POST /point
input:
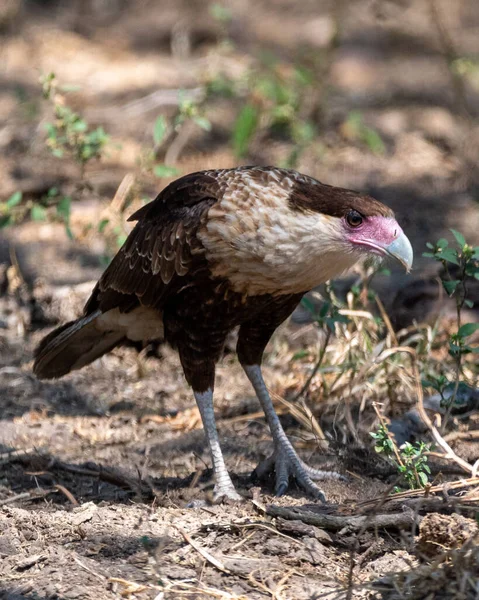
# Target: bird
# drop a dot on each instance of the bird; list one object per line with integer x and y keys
{"x": 218, "y": 250}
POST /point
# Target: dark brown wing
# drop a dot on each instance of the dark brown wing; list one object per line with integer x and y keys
{"x": 162, "y": 251}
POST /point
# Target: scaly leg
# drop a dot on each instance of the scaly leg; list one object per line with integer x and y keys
{"x": 284, "y": 460}
{"x": 224, "y": 487}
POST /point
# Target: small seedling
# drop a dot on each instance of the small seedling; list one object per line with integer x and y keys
{"x": 410, "y": 460}
{"x": 52, "y": 206}
{"x": 355, "y": 129}
{"x": 460, "y": 264}
{"x": 274, "y": 99}
{"x": 70, "y": 134}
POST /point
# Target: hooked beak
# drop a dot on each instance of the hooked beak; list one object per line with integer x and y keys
{"x": 401, "y": 250}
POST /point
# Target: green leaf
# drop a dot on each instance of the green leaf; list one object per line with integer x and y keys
{"x": 38, "y": 213}
{"x": 300, "y": 354}
{"x": 449, "y": 255}
{"x": 244, "y": 129}
{"x": 442, "y": 243}
{"x": 69, "y": 232}
{"x": 165, "y": 171}
{"x": 459, "y": 237}
{"x": 324, "y": 310}
{"x": 159, "y": 130}
{"x": 307, "y": 303}
{"x": 14, "y": 199}
{"x": 422, "y": 478}
{"x": 5, "y": 220}
{"x": 102, "y": 224}
{"x": 221, "y": 13}
{"x": 451, "y": 286}
{"x": 203, "y": 123}
{"x": 469, "y": 303}
{"x": 63, "y": 208}
{"x": 69, "y": 87}
{"x": 468, "y": 329}
{"x": 374, "y": 141}
{"x": 121, "y": 239}
{"x": 79, "y": 126}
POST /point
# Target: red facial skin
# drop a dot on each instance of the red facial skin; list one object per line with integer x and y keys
{"x": 379, "y": 235}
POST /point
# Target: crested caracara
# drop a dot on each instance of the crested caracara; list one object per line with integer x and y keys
{"x": 217, "y": 250}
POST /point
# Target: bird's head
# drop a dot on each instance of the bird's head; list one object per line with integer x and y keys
{"x": 378, "y": 235}
{"x": 357, "y": 224}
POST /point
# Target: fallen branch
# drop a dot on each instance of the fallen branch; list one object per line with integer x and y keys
{"x": 401, "y": 520}
{"x": 32, "y": 495}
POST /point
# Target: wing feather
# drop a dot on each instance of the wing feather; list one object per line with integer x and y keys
{"x": 162, "y": 250}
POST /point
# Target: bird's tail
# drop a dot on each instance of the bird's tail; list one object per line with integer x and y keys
{"x": 74, "y": 345}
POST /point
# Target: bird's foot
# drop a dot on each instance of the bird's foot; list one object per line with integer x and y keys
{"x": 320, "y": 475}
{"x": 221, "y": 493}
{"x": 226, "y": 493}
{"x": 286, "y": 464}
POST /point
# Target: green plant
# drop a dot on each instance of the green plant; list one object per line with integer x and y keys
{"x": 327, "y": 318}
{"x": 70, "y": 134}
{"x": 275, "y": 101}
{"x": 410, "y": 460}
{"x": 189, "y": 110}
{"x": 52, "y": 206}
{"x": 190, "y": 114}
{"x": 355, "y": 129}
{"x": 460, "y": 264}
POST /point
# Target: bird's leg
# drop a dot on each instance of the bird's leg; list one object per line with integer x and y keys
{"x": 224, "y": 487}
{"x": 199, "y": 369}
{"x": 284, "y": 460}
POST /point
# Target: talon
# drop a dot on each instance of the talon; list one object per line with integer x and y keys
{"x": 226, "y": 496}
{"x": 287, "y": 465}
{"x": 320, "y": 496}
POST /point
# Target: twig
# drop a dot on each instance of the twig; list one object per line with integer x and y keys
{"x": 348, "y": 523}
{"x": 83, "y": 566}
{"x": 255, "y": 524}
{"x": 316, "y": 367}
{"x": 206, "y": 555}
{"x": 131, "y": 586}
{"x": 386, "y": 320}
{"x": 177, "y": 145}
{"x": 33, "y": 495}
{"x": 462, "y": 435}
{"x": 103, "y": 474}
{"x": 163, "y": 98}
{"x": 7, "y": 457}
{"x": 306, "y": 417}
{"x": 122, "y": 194}
{"x": 422, "y": 492}
{"x": 67, "y": 493}
{"x": 449, "y": 452}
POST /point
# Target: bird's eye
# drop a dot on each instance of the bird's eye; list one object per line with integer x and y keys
{"x": 354, "y": 219}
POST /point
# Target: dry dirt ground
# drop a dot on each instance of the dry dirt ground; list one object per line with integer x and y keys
{"x": 97, "y": 470}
